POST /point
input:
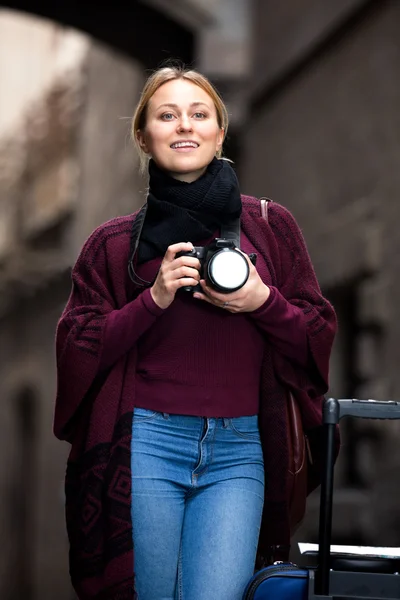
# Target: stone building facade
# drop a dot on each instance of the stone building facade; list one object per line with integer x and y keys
{"x": 323, "y": 138}
{"x": 66, "y": 165}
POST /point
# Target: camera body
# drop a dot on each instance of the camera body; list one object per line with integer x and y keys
{"x": 222, "y": 265}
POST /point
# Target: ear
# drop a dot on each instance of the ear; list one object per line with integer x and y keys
{"x": 220, "y": 139}
{"x": 142, "y": 141}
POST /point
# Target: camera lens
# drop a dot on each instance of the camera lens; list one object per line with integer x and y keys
{"x": 228, "y": 270}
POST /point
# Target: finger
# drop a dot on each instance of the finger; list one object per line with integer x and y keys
{"x": 218, "y": 304}
{"x": 189, "y": 281}
{"x": 189, "y": 261}
{"x": 251, "y": 265}
{"x": 217, "y": 296}
{"x": 185, "y": 272}
{"x": 175, "y": 248}
{"x": 199, "y": 296}
{"x": 211, "y": 293}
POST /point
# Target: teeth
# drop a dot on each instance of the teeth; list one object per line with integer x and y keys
{"x": 184, "y": 145}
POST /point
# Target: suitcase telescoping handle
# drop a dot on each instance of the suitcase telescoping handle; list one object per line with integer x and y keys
{"x": 333, "y": 411}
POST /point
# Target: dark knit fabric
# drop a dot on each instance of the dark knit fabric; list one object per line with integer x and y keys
{"x": 181, "y": 212}
{"x": 94, "y": 406}
{"x": 197, "y": 359}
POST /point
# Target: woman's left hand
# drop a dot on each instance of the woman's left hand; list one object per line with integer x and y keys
{"x": 247, "y": 299}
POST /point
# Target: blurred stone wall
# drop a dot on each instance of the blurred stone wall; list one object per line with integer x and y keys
{"x": 66, "y": 165}
{"x": 323, "y": 138}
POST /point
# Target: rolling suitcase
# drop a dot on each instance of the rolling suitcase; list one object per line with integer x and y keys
{"x": 280, "y": 581}
{"x": 343, "y": 577}
{"x": 335, "y": 578}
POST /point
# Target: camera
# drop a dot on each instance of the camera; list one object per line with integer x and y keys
{"x": 223, "y": 267}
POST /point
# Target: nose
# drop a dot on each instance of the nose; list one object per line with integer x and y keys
{"x": 184, "y": 123}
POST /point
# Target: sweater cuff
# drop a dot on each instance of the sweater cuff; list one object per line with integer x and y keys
{"x": 149, "y": 303}
{"x": 263, "y": 309}
{"x": 273, "y": 308}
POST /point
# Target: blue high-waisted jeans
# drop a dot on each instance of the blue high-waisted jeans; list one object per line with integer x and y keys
{"x": 197, "y": 499}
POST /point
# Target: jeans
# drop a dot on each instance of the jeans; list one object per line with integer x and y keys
{"x": 197, "y": 499}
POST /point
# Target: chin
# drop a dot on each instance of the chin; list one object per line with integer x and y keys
{"x": 189, "y": 164}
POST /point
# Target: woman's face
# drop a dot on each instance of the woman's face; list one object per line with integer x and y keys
{"x": 181, "y": 134}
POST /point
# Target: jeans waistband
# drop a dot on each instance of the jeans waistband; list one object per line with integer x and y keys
{"x": 194, "y": 421}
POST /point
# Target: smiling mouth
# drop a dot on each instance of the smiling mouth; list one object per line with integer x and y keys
{"x": 184, "y": 145}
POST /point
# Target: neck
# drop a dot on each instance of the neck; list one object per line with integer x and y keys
{"x": 188, "y": 177}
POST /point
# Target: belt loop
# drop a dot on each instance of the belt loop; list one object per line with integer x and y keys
{"x": 225, "y": 422}
{"x": 165, "y": 415}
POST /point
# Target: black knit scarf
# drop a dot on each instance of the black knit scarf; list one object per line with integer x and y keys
{"x": 187, "y": 212}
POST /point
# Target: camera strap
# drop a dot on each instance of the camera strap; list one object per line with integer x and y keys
{"x": 231, "y": 231}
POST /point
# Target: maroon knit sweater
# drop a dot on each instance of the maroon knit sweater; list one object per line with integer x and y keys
{"x": 196, "y": 359}
{"x": 94, "y": 404}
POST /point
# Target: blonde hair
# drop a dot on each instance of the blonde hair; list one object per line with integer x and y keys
{"x": 155, "y": 81}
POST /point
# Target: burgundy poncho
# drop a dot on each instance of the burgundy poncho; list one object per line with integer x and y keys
{"x": 94, "y": 408}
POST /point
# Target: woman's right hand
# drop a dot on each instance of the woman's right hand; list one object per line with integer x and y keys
{"x": 175, "y": 273}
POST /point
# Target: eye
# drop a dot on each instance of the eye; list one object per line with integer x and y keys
{"x": 167, "y": 116}
{"x": 200, "y": 115}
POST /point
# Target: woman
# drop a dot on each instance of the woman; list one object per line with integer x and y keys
{"x": 173, "y": 401}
